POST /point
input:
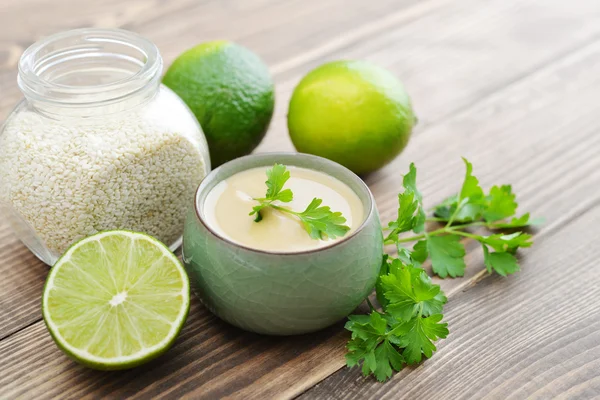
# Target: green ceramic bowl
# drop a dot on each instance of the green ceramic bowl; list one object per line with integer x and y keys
{"x": 282, "y": 293}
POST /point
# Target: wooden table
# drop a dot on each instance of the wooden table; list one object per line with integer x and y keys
{"x": 513, "y": 85}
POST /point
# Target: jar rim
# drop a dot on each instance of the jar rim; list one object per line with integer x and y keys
{"x": 87, "y": 44}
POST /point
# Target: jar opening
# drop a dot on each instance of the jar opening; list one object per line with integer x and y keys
{"x": 86, "y": 68}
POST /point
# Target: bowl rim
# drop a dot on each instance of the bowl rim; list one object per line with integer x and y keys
{"x": 267, "y": 155}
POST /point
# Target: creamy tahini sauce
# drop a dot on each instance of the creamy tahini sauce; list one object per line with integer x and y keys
{"x": 228, "y": 204}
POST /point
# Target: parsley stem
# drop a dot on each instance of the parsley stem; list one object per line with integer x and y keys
{"x": 465, "y": 234}
{"x": 284, "y": 209}
{"x": 417, "y": 237}
{"x": 435, "y": 219}
{"x": 446, "y": 229}
{"x": 467, "y": 225}
{"x": 460, "y": 205}
{"x": 371, "y": 305}
{"x": 404, "y": 240}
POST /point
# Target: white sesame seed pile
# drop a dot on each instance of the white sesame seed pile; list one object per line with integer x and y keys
{"x": 70, "y": 178}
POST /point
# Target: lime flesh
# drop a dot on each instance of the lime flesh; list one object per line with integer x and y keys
{"x": 116, "y": 299}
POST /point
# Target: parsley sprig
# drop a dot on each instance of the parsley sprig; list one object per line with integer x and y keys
{"x": 319, "y": 221}
{"x": 405, "y": 330}
{"x": 471, "y": 207}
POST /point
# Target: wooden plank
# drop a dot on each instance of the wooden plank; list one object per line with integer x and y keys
{"x": 532, "y": 335}
{"x": 416, "y": 52}
{"x": 212, "y": 359}
{"x": 272, "y": 28}
{"x": 451, "y": 58}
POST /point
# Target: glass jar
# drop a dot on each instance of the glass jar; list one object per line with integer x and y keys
{"x": 97, "y": 144}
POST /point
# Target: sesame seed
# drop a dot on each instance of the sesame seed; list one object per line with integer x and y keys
{"x": 69, "y": 178}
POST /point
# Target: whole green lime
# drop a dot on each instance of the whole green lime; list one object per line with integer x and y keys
{"x": 352, "y": 112}
{"x": 230, "y": 91}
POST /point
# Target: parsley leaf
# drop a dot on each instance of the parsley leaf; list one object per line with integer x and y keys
{"x": 510, "y": 243}
{"x": 447, "y": 255}
{"x": 468, "y": 205}
{"x": 371, "y": 345}
{"x": 519, "y": 222}
{"x": 407, "y": 206}
{"x": 501, "y": 262}
{"x": 277, "y": 176}
{"x": 276, "y": 179}
{"x": 471, "y": 205}
{"x": 384, "y": 270}
{"x": 470, "y": 188}
{"x": 417, "y": 337}
{"x": 501, "y": 203}
{"x": 411, "y": 215}
{"x": 388, "y": 359}
{"x": 470, "y": 199}
{"x": 319, "y": 221}
{"x": 410, "y": 186}
{"x": 256, "y": 211}
{"x": 406, "y": 331}
{"x": 419, "y": 253}
{"x": 445, "y": 209}
{"x": 409, "y": 291}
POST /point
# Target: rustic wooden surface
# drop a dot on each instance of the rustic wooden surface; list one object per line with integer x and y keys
{"x": 514, "y": 85}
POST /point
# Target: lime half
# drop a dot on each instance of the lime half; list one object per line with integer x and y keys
{"x": 116, "y": 299}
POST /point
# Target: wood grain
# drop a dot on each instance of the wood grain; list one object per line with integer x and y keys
{"x": 210, "y": 357}
{"x": 199, "y": 383}
{"x": 272, "y": 28}
{"x": 573, "y": 31}
{"x": 533, "y": 335}
{"x": 512, "y": 85}
{"x": 475, "y": 52}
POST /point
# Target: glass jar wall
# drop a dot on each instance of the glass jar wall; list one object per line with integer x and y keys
{"x": 97, "y": 144}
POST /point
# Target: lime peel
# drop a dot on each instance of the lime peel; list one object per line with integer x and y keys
{"x": 116, "y": 305}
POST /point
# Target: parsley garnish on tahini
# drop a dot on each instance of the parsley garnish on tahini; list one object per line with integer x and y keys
{"x": 319, "y": 221}
{"x": 410, "y": 321}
